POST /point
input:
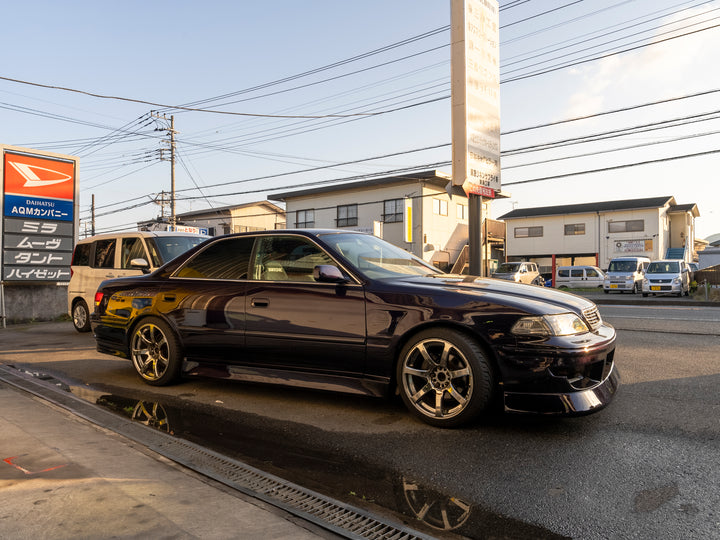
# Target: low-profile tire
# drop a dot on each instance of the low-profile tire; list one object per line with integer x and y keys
{"x": 81, "y": 316}
{"x": 155, "y": 352}
{"x": 444, "y": 377}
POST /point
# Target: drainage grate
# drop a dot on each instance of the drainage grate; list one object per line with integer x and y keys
{"x": 336, "y": 516}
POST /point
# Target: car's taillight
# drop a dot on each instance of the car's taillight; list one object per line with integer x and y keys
{"x": 98, "y": 297}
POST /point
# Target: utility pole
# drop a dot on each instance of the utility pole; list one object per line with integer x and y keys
{"x": 173, "y": 216}
{"x": 171, "y": 130}
{"x": 92, "y": 211}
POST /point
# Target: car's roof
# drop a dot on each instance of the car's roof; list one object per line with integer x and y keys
{"x": 144, "y": 234}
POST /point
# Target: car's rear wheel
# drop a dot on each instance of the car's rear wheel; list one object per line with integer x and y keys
{"x": 81, "y": 316}
{"x": 155, "y": 352}
{"x": 444, "y": 377}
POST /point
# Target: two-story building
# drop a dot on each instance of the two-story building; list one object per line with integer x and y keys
{"x": 435, "y": 226}
{"x": 595, "y": 233}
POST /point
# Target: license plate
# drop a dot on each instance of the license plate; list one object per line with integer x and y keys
{"x": 655, "y": 288}
{"x": 613, "y": 286}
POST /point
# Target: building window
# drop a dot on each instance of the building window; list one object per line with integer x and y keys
{"x": 393, "y": 211}
{"x": 462, "y": 211}
{"x": 574, "y": 228}
{"x": 636, "y": 225}
{"x": 527, "y": 232}
{"x": 440, "y": 207}
{"x": 305, "y": 219}
{"x": 347, "y": 215}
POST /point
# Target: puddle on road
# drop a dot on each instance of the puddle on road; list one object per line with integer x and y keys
{"x": 438, "y": 514}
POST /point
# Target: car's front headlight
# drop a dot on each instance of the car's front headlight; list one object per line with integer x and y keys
{"x": 564, "y": 324}
{"x": 677, "y": 280}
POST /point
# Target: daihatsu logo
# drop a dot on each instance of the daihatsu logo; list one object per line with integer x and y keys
{"x": 36, "y": 176}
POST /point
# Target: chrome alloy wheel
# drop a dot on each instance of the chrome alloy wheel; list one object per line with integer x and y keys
{"x": 150, "y": 352}
{"x": 437, "y": 378}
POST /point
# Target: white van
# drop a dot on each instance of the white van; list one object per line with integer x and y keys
{"x": 579, "y": 277}
{"x": 108, "y": 256}
{"x": 625, "y": 274}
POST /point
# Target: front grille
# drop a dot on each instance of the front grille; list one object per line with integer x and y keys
{"x": 592, "y": 317}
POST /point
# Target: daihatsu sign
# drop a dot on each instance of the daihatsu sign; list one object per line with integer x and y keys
{"x": 39, "y": 215}
{"x": 475, "y": 65}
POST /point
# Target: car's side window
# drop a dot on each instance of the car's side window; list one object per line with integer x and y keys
{"x": 224, "y": 259}
{"x": 575, "y": 272}
{"x": 287, "y": 258}
{"x": 104, "y": 254}
{"x": 131, "y": 248}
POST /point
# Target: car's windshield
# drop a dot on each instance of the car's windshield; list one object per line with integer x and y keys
{"x": 670, "y": 267}
{"x": 165, "y": 248}
{"x": 622, "y": 266}
{"x": 376, "y": 258}
{"x": 508, "y": 268}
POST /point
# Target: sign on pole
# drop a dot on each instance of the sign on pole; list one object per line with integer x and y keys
{"x": 39, "y": 215}
{"x": 476, "y": 96}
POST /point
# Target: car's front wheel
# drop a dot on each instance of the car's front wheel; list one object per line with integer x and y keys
{"x": 155, "y": 352}
{"x": 445, "y": 377}
{"x": 81, "y": 316}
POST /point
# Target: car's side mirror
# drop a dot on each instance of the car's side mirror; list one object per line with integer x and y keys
{"x": 327, "y": 273}
{"x": 140, "y": 264}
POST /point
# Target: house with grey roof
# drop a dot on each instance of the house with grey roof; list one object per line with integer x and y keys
{"x": 595, "y": 233}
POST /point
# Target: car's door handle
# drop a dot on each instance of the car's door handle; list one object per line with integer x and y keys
{"x": 260, "y": 302}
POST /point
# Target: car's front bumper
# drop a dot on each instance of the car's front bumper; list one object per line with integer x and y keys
{"x": 617, "y": 285}
{"x": 560, "y": 375}
{"x": 662, "y": 288}
{"x": 565, "y": 403}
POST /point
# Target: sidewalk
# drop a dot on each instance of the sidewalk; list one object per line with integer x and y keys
{"x": 63, "y": 477}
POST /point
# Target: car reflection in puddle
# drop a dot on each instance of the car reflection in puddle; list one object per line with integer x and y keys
{"x": 441, "y": 515}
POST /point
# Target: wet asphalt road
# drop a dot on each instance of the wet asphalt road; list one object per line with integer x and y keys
{"x": 646, "y": 467}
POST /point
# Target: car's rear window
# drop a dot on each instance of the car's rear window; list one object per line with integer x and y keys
{"x": 81, "y": 255}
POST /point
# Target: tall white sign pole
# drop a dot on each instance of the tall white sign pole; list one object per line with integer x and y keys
{"x": 475, "y": 63}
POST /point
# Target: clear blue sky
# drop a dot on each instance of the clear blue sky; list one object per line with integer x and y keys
{"x": 174, "y": 53}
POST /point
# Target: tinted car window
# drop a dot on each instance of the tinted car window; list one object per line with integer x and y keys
{"x": 104, "y": 254}
{"x": 563, "y": 273}
{"x": 81, "y": 255}
{"x": 576, "y": 272}
{"x": 132, "y": 248}
{"x": 287, "y": 258}
{"x": 224, "y": 259}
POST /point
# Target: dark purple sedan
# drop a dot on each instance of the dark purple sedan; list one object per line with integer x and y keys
{"x": 346, "y": 311}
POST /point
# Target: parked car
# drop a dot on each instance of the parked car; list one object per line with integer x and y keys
{"x": 105, "y": 256}
{"x": 519, "y": 272}
{"x": 667, "y": 277}
{"x": 579, "y": 277}
{"x": 547, "y": 279}
{"x": 347, "y": 311}
{"x": 625, "y": 274}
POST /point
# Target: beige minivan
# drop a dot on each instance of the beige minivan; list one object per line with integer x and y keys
{"x": 108, "y": 256}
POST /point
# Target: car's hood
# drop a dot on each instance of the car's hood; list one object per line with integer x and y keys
{"x": 505, "y": 275}
{"x": 530, "y": 297}
{"x": 671, "y": 275}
